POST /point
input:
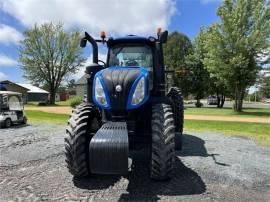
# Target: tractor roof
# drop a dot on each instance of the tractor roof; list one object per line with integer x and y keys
{"x": 130, "y": 39}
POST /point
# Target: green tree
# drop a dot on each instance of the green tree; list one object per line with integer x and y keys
{"x": 48, "y": 54}
{"x": 218, "y": 87}
{"x": 235, "y": 43}
{"x": 265, "y": 86}
{"x": 176, "y": 49}
{"x": 71, "y": 84}
{"x": 197, "y": 73}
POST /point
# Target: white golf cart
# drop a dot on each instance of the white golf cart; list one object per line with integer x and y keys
{"x": 11, "y": 109}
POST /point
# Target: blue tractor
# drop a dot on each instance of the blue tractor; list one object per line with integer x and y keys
{"x": 127, "y": 108}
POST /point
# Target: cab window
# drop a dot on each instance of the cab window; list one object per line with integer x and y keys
{"x": 131, "y": 56}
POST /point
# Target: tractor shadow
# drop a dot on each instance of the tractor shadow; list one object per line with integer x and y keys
{"x": 141, "y": 188}
{"x": 195, "y": 146}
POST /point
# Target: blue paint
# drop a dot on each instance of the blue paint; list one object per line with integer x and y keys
{"x": 124, "y": 67}
{"x": 143, "y": 73}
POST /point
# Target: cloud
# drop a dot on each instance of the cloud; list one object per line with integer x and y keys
{"x": 210, "y": 1}
{"x": 7, "y": 61}
{"x": 9, "y": 35}
{"x": 264, "y": 57}
{"x": 3, "y": 76}
{"x": 114, "y": 17}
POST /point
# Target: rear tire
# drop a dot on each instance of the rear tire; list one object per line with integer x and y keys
{"x": 163, "y": 134}
{"x": 85, "y": 120}
{"x": 176, "y": 99}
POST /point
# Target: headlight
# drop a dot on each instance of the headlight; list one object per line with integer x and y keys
{"x": 100, "y": 96}
{"x": 139, "y": 92}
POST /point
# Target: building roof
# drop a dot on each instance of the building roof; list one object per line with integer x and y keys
{"x": 7, "y": 82}
{"x": 82, "y": 80}
{"x": 32, "y": 89}
{"x": 9, "y": 93}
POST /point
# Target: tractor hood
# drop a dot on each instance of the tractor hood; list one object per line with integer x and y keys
{"x": 121, "y": 88}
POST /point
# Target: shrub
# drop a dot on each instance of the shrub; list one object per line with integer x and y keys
{"x": 198, "y": 104}
{"x": 42, "y": 103}
{"x": 75, "y": 101}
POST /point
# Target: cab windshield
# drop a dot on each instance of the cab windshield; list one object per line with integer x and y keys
{"x": 131, "y": 56}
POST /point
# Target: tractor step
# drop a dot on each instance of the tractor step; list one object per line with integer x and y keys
{"x": 109, "y": 149}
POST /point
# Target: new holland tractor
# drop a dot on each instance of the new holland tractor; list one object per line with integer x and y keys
{"x": 127, "y": 107}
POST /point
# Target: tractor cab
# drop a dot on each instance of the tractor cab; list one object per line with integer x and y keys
{"x": 11, "y": 109}
{"x": 132, "y": 52}
{"x": 134, "y": 70}
{"x": 127, "y": 108}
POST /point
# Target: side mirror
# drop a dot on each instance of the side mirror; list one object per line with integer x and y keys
{"x": 163, "y": 37}
{"x": 83, "y": 42}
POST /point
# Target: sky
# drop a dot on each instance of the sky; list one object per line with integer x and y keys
{"x": 115, "y": 17}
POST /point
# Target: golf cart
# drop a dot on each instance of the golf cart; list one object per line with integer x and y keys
{"x": 11, "y": 109}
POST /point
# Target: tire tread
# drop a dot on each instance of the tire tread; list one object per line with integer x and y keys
{"x": 163, "y": 152}
{"x": 77, "y": 139}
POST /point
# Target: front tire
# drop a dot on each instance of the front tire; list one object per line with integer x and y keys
{"x": 85, "y": 120}
{"x": 163, "y": 148}
{"x": 8, "y": 123}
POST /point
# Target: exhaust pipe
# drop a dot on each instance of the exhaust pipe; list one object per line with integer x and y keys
{"x": 93, "y": 68}
{"x": 91, "y": 40}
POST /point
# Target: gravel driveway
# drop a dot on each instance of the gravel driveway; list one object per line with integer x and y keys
{"x": 212, "y": 168}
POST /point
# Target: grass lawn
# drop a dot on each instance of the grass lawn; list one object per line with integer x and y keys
{"x": 259, "y": 132}
{"x": 44, "y": 117}
{"x": 63, "y": 103}
{"x": 60, "y": 103}
{"x": 31, "y": 104}
{"x": 249, "y": 112}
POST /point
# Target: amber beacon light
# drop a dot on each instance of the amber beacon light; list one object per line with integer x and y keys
{"x": 102, "y": 35}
